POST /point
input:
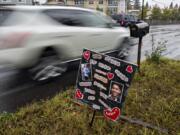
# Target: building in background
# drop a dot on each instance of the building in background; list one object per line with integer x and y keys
{"x": 122, "y": 6}
{"x": 16, "y": 2}
{"x": 106, "y": 6}
{"x": 134, "y": 12}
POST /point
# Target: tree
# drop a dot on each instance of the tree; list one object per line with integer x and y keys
{"x": 178, "y": 17}
{"x": 137, "y": 4}
{"x": 147, "y": 5}
{"x": 176, "y": 6}
{"x": 171, "y": 5}
{"x": 156, "y": 13}
{"x": 174, "y": 14}
{"x": 166, "y": 13}
{"x": 145, "y": 10}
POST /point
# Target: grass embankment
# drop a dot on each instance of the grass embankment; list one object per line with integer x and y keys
{"x": 154, "y": 97}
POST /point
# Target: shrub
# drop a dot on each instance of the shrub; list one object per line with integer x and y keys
{"x": 157, "y": 50}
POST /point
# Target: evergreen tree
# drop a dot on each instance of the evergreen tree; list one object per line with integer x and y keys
{"x": 178, "y": 17}
{"x": 156, "y": 13}
{"x": 171, "y": 5}
{"x": 147, "y": 5}
{"x": 174, "y": 14}
{"x": 166, "y": 14}
{"x": 145, "y": 10}
{"x": 176, "y": 6}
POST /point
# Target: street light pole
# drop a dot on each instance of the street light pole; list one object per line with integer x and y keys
{"x": 142, "y": 13}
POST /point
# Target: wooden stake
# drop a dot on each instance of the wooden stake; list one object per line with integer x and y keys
{"x": 92, "y": 120}
{"x": 139, "y": 53}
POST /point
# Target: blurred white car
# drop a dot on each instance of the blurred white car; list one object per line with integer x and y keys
{"x": 45, "y": 39}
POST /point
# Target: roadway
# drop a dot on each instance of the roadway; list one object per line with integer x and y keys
{"x": 17, "y": 89}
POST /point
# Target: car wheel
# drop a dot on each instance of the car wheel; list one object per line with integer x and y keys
{"x": 121, "y": 55}
{"x": 123, "y": 52}
{"x": 49, "y": 66}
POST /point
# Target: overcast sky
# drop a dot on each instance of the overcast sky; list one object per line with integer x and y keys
{"x": 162, "y": 3}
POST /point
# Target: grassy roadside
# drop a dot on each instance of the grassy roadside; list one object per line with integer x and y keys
{"x": 154, "y": 97}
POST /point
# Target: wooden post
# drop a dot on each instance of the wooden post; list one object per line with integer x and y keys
{"x": 92, "y": 120}
{"x": 139, "y": 53}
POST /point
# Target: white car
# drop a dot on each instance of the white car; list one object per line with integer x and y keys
{"x": 45, "y": 39}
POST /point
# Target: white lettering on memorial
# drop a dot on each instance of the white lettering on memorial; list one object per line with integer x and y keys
{"x": 104, "y": 66}
{"x": 121, "y": 76}
{"x": 100, "y": 78}
{"x": 99, "y": 85}
{"x": 89, "y": 91}
{"x": 112, "y": 61}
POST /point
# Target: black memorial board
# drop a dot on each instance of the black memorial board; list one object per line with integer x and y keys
{"x": 103, "y": 82}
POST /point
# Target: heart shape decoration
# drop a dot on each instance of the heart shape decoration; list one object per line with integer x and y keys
{"x": 112, "y": 114}
{"x": 110, "y": 76}
{"x": 79, "y": 94}
{"x": 129, "y": 69}
{"x": 86, "y": 55}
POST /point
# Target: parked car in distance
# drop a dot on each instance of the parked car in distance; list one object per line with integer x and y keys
{"x": 45, "y": 39}
{"x": 125, "y": 20}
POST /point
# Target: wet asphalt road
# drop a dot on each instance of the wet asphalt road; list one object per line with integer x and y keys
{"x": 17, "y": 89}
{"x": 169, "y": 33}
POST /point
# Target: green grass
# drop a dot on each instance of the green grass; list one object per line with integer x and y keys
{"x": 154, "y": 97}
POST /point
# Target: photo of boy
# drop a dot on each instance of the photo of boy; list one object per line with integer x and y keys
{"x": 116, "y": 90}
{"x": 86, "y": 72}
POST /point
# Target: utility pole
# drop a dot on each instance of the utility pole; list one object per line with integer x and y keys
{"x": 142, "y": 13}
{"x": 126, "y": 9}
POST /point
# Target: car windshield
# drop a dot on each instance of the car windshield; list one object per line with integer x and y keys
{"x": 78, "y": 17}
{"x": 104, "y": 17}
{"x": 26, "y": 17}
{"x": 97, "y": 19}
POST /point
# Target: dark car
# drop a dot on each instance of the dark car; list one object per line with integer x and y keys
{"x": 125, "y": 20}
